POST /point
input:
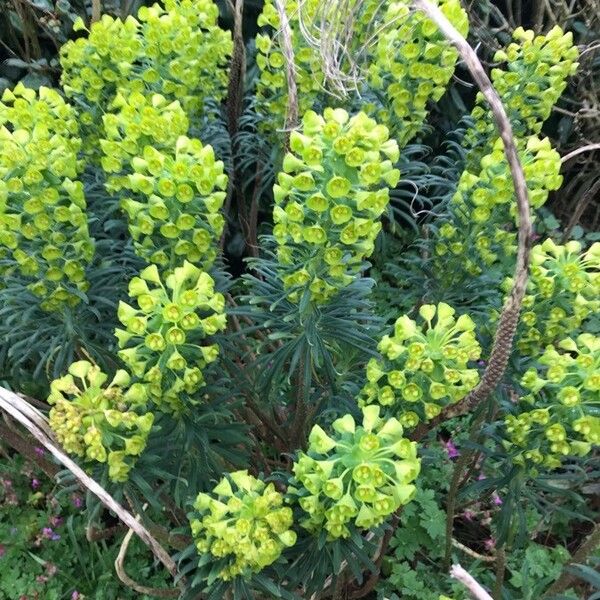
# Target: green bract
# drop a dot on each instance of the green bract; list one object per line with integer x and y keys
{"x": 173, "y": 183}
{"x": 164, "y": 343}
{"x": 44, "y": 238}
{"x": 242, "y": 525}
{"x": 537, "y": 71}
{"x": 331, "y": 194}
{"x": 412, "y": 64}
{"x": 559, "y": 417}
{"x": 424, "y": 367}
{"x": 562, "y": 293}
{"x": 100, "y": 422}
{"x": 484, "y": 204}
{"x": 405, "y": 59}
{"x": 178, "y": 51}
{"x": 355, "y": 478}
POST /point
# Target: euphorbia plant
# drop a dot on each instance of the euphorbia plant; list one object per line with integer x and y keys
{"x": 280, "y": 408}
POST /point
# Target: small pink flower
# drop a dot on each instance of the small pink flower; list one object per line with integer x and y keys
{"x": 39, "y": 451}
{"x": 469, "y": 515}
{"x": 496, "y": 499}
{"x": 35, "y": 484}
{"x": 451, "y": 449}
{"x": 76, "y": 501}
{"x": 75, "y": 595}
{"x": 490, "y": 544}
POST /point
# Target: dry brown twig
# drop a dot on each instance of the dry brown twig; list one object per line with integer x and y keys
{"x": 128, "y": 581}
{"x": 509, "y": 317}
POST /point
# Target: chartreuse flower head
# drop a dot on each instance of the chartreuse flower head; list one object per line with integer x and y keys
{"x": 138, "y": 121}
{"x": 100, "y": 422}
{"x": 243, "y": 525}
{"x": 329, "y": 199}
{"x": 164, "y": 340}
{"x": 44, "y": 238}
{"x": 178, "y": 51}
{"x": 484, "y": 205}
{"x": 174, "y": 214}
{"x": 563, "y": 292}
{"x": 355, "y": 478}
{"x": 408, "y": 64}
{"x": 537, "y": 69}
{"x": 559, "y": 417}
{"x": 412, "y": 64}
{"x": 424, "y": 366}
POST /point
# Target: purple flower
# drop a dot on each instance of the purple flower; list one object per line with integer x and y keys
{"x": 451, "y": 449}
{"x": 469, "y": 515}
{"x": 496, "y": 499}
{"x": 75, "y": 595}
{"x": 481, "y": 363}
{"x": 35, "y": 484}
{"x": 39, "y": 451}
{"x": 76, "y": 501}
{"x": 489, "y": 544}
{"x": 47, "y": 532}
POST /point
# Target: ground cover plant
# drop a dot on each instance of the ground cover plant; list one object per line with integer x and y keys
{"x": 267, "y": 309}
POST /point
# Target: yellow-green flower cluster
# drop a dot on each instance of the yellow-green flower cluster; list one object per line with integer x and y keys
{"x": 537, "y": 71}
{"x": 405, "y": 59}
{"x": 357, "y": 477}
{"x": 412, "y": 64}
{"x": 329, "y": 200}
{"x": 100, "y": 422}
{"x": 559, "y": 416}
{"x": 178, "y": 51}
{"x": 271, "y": 88}
{"x": 243, "y": 525}
{"x": 484, "y": 204}
{"x": 136, "y": 121}
{"x": 44, "y": 235}
{"x": 424, "y": 366}
{"x": 164, "y": 340}
{"x": 563, "y": 291}
{"x": 175, "y": 185}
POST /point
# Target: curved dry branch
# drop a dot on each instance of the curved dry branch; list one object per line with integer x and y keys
{"x": 475, "y": 588}
{"x": 509, "y": 317}
{"x": 130, "y": 583}
{"x": 19, "y": 410}
{"x": 578, "y": 151}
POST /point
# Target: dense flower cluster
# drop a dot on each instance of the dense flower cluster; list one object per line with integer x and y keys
{"x": 355, "y": 478}
{"x": 329, "y": 200}
{"x": 560, "y": 416}
{"x": 174, "y": 184}
{"x": 178, "y": 51}
{"x": 44, "y": 236}
{"x": 563, "y": 291}
{"x": 406, "y": 63}
{"x": 242, "y": 525}
{"x": 412, "y": 64}
{"x": 484, "y": 204}
{"x": 100, "y": 422}
{"x": 537, "y": 71}
{"x": 163, "y": 343}
{"x": 424, "y": 367}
